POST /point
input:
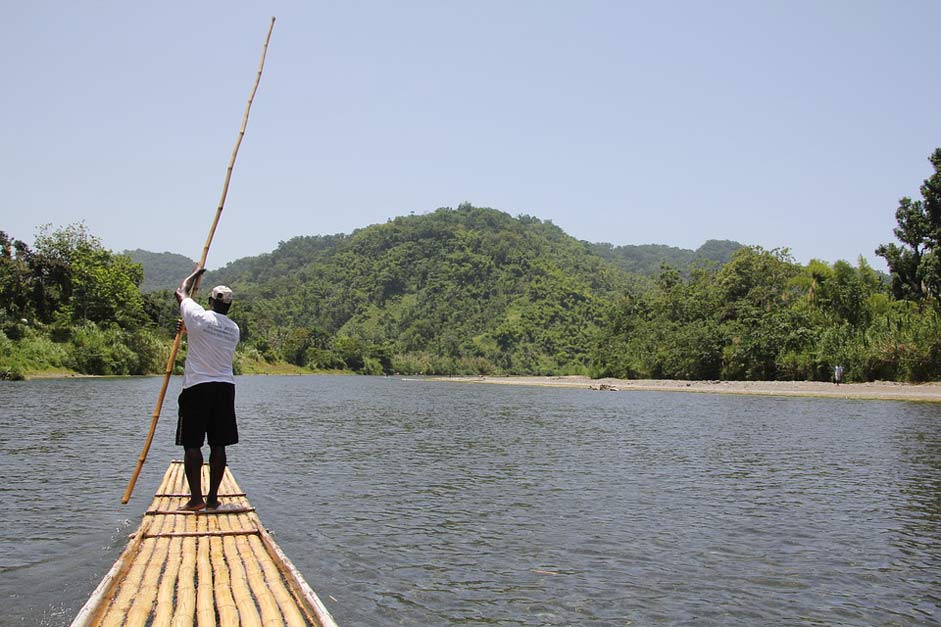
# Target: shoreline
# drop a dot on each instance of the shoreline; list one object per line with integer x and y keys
{"x": 877, "y": 390}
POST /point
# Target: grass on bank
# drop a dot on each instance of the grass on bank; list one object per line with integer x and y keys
{"x": 34, "y": 355}
{"x": 254, "y": 364}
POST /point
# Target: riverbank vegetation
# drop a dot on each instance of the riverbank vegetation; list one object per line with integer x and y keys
{"x": 475, "y": 291}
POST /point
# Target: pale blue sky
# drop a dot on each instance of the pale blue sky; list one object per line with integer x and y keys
{"x": 796, "y": 124}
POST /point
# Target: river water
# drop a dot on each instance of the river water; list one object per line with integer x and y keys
{"x": 410, "y": 502}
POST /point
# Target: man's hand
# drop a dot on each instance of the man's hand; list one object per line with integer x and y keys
{"x": 187, "y": 285}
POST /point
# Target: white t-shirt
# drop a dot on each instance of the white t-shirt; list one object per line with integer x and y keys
{"x": 212, "y": 338}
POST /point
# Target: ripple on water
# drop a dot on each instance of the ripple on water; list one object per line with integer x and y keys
{"x": 433, "y": 503}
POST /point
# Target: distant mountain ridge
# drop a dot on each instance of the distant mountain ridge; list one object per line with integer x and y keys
{"x": 647, "y": 259}
{"x": 474, "y": 290}
{"x": 161, "y": 270}
{"x": 164, "y": 270}
{"x": 470, "y": 289}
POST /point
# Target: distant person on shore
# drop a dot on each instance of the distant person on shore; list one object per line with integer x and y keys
{"x": 207, "y": 402}
{"x": 838, "y": 375}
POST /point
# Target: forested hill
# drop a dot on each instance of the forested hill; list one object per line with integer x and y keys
{"x": 648, "y": 259}
{"x": 473, "y": 286}
{"x": 468, "y": 289}
{"x": 165, "y": 270}
{"x": 162, "y": 271}
{"x": 476, "y": 291}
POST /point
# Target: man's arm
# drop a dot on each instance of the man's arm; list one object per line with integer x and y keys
{"x": 187, "y": 285}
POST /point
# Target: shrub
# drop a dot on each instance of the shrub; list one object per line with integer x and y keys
{"x": 30, "y": 353}
{"x": 103, "y": 352}
{"x": 9, "y": 370}
{"x": 371, "y": 366}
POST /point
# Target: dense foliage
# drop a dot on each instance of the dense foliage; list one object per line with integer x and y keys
{"x": 71, "y": 304}
{"x": 474, "y": 290}
{"x": 762, "y": 316}
{"x": 469, "y": 290}
{"x": 647, "y": 259}
{"x": 916, "y": 265}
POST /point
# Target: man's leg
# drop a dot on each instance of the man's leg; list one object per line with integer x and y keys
{"x": 216, "y": 471}
{"x": 193, "y": 467}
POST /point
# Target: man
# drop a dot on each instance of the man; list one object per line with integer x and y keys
{"x": 207, "y": 402}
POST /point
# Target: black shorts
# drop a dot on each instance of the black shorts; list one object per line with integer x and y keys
{"x": 207, "y": 409}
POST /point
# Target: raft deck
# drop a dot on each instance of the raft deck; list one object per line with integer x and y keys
{"x": 219, "y": 568}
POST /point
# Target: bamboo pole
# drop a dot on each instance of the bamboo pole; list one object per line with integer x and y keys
{"x": 222, "y": 584}
{"x": 98, "y": 602}
{"x": 267, "y": 603}
{"x": 274, "y": 579}
{"x": 185, "y": 609}
{"x": 307, "y": 599}
{"x": 202, "y": 264}
{"x": 143, "y": 603}
{"x": 122, "y": 602}
{"x": 205, "y": 605}
{"x": 241, "y": 590}
{"x": 163, "y": 612}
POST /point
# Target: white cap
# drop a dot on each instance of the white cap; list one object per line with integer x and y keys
{"x": 222, "y": 294}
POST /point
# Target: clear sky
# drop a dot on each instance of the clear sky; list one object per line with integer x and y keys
{"x": 792, "y": 124}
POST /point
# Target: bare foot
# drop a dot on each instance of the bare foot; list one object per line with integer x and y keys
{"x": 213, "y": 505}
{"x": 192, "y": 506}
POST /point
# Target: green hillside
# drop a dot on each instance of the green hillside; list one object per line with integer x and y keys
{"x": 475, "y": 291}
{"x": 467, "y": 289}
{"x": 162, "y": 271}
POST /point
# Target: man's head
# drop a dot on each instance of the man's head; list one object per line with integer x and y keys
{"x": 220, "y": 299}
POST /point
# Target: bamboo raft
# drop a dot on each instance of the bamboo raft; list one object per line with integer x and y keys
{"x": 218, "y": 568}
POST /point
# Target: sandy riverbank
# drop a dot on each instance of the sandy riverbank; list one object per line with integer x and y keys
{"x": 879, "y": 390}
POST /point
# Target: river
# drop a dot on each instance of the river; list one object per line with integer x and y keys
{"x": 411, "y": 502}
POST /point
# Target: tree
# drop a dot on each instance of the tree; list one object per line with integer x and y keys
{"x": 916, "y": 266}
{"x": 840, "y": 293}
{"x": 80, "y": 280}
{"x": 15, "y": 279}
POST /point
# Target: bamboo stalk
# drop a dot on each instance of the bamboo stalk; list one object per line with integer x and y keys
{"x": 267, "y": 603}
{"x": 306, "y": 597}
{"x": 241, "y": 592}
{"x": 205, "y": 608}
{"x": 202, "y": 534}
{"x": 97, "y": 604}
{"x": 230, "y": 485}
{"x": 235, "y": 150}
{"x": 165, "y": 510}
{"x": 168, "y": 583}
{"x": 202, "y": 264}
{"x": 178, "y": 495}
{"x": 275, "y": 582}
{"x": 146, "y": 594}
{"x": 185, "y": 609}
{"x": 188, "y": 570}
{"x": 118, "y": 610}
{"x": 222, "y": 584}
{"x": 190, "y": 526}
